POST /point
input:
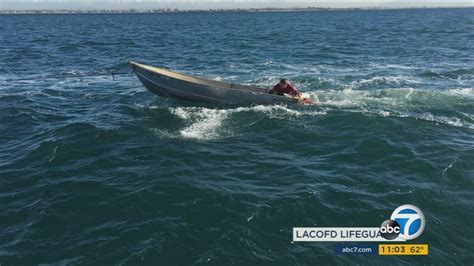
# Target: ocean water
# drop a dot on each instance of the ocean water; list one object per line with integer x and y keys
{"x": 101, "y": 171}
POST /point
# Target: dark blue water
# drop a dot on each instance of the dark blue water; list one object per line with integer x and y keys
{"x": 97, "y": 171}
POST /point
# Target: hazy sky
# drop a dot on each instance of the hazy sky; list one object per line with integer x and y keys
{"x": 193, "y": 4}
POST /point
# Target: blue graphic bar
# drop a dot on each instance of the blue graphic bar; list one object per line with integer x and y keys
{"x": 357, "y": 249}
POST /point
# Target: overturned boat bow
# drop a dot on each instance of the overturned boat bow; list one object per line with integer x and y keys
{"x": 171, "y": 84}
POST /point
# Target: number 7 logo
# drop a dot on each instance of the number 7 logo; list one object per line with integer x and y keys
{"x": 411, "y": 221}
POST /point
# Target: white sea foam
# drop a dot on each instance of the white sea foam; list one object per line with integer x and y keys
{"x": 314, "y": 68}
{"x": 448, "y": 167}
{"x": 400, "y": 97}
{"x": 385, "y": 66}
{"x": 180, "y": 112}
{"x": 384, "y": 79}
{"x": 384, "y": 113}
{"x": 340, "y": 98}
{"x": 453, "y": 121}
{"x": 207, "y": 124}
{"x": 467, "y": 92}
{"x": 404, "y": 102}
{"x": 427, "y": 116}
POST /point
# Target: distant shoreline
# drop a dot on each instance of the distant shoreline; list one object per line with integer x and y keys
{"x": 217, "y": 10}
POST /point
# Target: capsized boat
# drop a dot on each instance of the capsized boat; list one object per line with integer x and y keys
{"x": 171, "y": 84}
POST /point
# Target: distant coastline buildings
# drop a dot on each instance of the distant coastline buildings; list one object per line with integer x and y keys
{"x": 176, "y": 10}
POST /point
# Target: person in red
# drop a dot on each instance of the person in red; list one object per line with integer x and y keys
{"x": 285, "y": 87}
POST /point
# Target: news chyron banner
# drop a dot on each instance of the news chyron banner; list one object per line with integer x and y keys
{"x": 406, "y": 223}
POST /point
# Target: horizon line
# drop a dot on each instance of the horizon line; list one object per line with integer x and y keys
{"x": 176, "y": 10}
{"x": 197, "y": 5}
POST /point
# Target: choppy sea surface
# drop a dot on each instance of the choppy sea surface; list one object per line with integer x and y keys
{"x": 101, "y": 171}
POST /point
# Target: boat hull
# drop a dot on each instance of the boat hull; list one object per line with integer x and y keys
{"x": 174, "y": 85}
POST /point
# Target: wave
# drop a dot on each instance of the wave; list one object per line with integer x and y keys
{"x": 395, "y": 96}
{"x": 310, "y": 82}
{"x": 378, "y": 81}
{"x": 464, "y": 92}
{"x": 390, "y": 66}
{"x": 203, "y": 123}
{"x": 219, "y": 78}
{"x": 440, "y": 119}
{"x": 451, "y": 107}
{"x": 453, "y": 74}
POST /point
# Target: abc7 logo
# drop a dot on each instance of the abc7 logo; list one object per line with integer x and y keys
{"x": 390, "y": 229}
{"x": 406, "y": 222}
